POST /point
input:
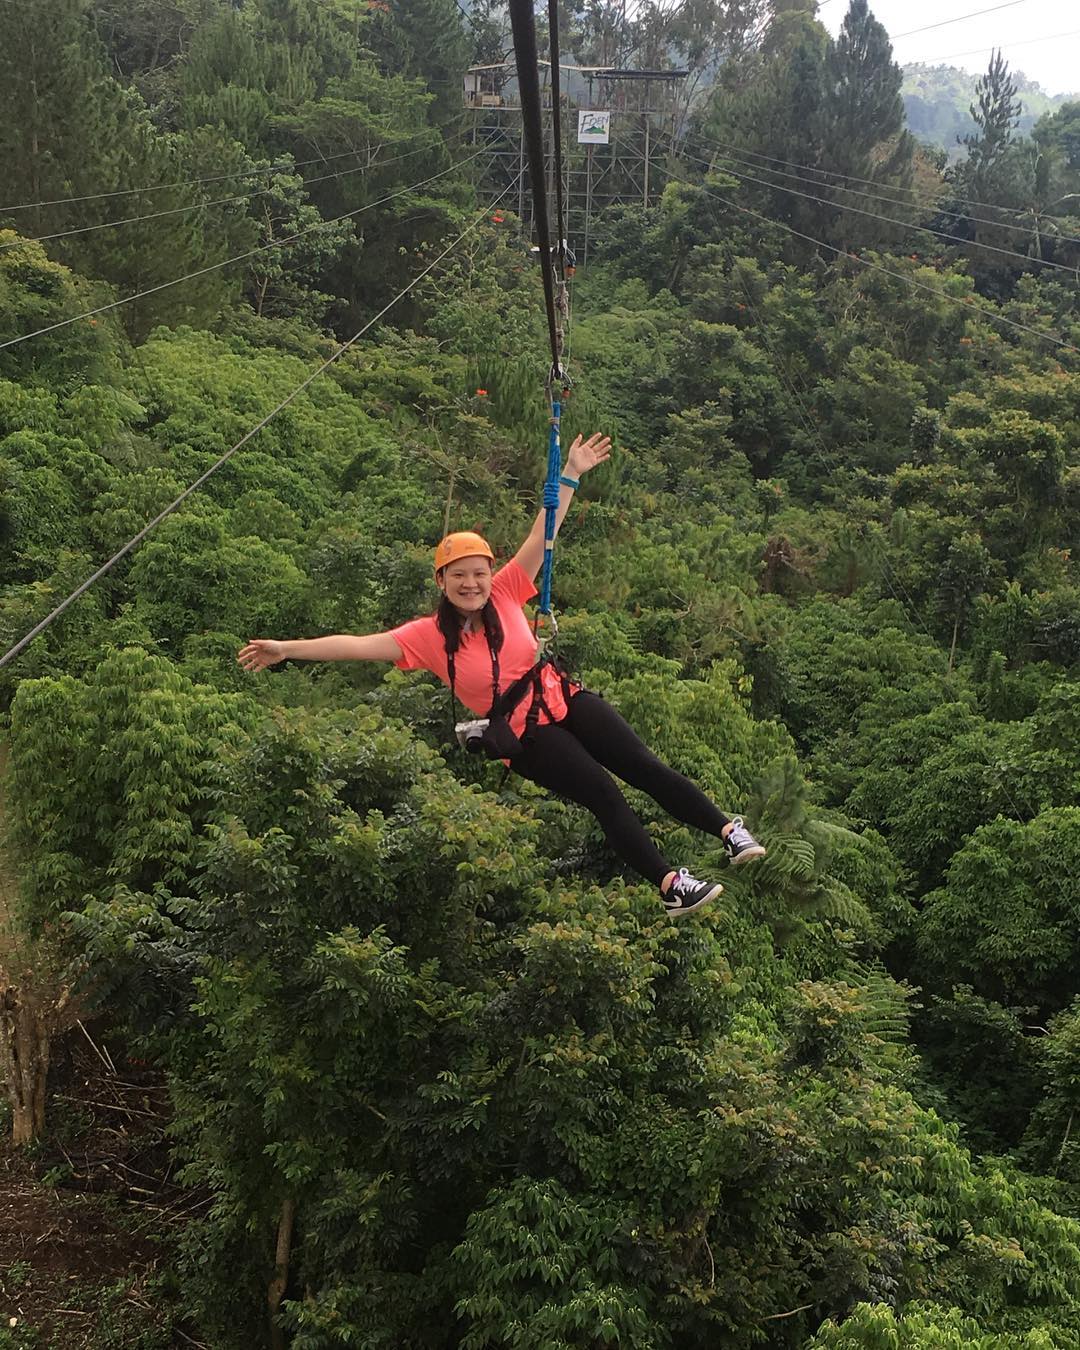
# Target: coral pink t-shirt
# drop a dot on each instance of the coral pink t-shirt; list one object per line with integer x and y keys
{"x": 423, "y": 648}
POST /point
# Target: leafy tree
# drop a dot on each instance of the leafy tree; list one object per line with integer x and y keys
{"x": 966, "y": 569}
{"x": 1018, "y": 949}
{"x": 921, "y": 1325}
{"x": 156, "y": 787}
{"x": 1049, "y": 1145}
{"x": 38, "y": 293}
{"x": 930, "y": 778}
{"x": 984, "y": 1060}
{"x": 282, "y": 280}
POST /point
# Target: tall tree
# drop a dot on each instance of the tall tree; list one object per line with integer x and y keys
{"x": 426, "y": 39}
{"x": 47, "y": 68}
{"x": 864, "y": 113}
{"x": 832, "y": 107}
{"x": 996, "y": 112}
{"x": 146, "y": 41}
{"x": 51, "y": 62}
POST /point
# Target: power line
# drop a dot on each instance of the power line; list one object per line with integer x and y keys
{"x": 877, "y": 267}
{"x": 23, "y": 642}
{"x": 204, "y": 206}
{"x": 194, "y": 182}
{"x": 960, "y": 18}
{"x": 978, "y": 51}
{"x": 924, "y": 229}
{"x": 882, "y": 188}
{"x": 240, "y": 257}
{"x": 917, "y": 203}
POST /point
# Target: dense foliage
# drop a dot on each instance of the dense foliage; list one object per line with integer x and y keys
{"x": 447, "y": 1077}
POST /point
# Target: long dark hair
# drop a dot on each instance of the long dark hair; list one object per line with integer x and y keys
{"x": 449, "y": 621}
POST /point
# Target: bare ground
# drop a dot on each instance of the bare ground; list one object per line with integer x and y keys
{"x": 88, "y": 1220}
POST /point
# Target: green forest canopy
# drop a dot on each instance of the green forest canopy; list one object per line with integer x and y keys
{"x": 445, "y": 1077}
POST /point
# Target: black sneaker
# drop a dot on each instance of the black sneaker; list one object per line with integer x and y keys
{"x": 740, "y": 845}
{"x": 686, "y": 893}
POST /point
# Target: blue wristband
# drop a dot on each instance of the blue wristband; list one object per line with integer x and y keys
{"x": 569, "y": 482}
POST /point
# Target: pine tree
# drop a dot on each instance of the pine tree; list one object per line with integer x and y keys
{"x": 46, "y": 72}
{"x": 426, "y": 38}
{"x": 864, "y": 113}
{"x": 996, "y": 112}
{"x": 833, "y": 107}
{"x": 68, "y": 129}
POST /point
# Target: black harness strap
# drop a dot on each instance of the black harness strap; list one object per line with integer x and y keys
{"x": 451, "y": 670}
{"x": 503, "y": 705}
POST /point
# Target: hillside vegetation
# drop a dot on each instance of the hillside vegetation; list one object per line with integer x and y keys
{"x": 937, "y": 105}
{"x": 382, "y": 1043}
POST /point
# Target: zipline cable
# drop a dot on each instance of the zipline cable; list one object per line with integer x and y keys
{"x": 561, "y": 222}
{"x": 877, "y": 267}
{"x": 23, "y": 642}
{"x": 240, "y": 257}
{"x": 730, "y": 151}
{"x": 204, "y": 206}
{"x": 562, "y": 216}
{"x": 524, "y": 30}
{"x": 892, "y": 220}
{"x": 216, "y": 178}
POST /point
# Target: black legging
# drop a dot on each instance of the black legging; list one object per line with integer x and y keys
{"x": 572, "y": 758}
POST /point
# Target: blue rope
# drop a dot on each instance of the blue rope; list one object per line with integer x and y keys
{"x": 551, "y": 503}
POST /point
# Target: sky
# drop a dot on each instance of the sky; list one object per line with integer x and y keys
{"x": 1014, "y": 27}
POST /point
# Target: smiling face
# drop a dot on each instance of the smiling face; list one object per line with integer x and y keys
{"x": 467, "y": 584}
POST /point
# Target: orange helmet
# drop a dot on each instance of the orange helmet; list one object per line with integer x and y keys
{"x": 463, "y": 544}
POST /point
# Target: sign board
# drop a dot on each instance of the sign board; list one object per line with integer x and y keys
{"x": 593, "y": 128}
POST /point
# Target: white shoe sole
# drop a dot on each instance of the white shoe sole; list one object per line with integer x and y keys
{"x": 689, "y": 909}
{"x": 748, "y": 855}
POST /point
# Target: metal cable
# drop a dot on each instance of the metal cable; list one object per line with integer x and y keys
{"x": 190, "y": 182}
{"x": 24, "y": 642}
{"x": 877, "y": 267}
{"x": 240, "y": 257}
{"x": 561, "y": 223}
{"x": 916, "y": 204}
{"x": 524, "y": 30}
{"x": 891, "y": 220}
{"x": 202, "y": 206}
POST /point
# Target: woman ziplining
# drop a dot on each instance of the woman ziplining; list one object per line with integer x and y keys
{"x": 562, "y": 736}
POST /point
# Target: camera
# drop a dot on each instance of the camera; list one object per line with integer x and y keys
{"x": 470, "y": 734}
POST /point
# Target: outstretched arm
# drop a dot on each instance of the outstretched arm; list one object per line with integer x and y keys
{"x": 262, "y": 652}
{"x": 584, "y": 455}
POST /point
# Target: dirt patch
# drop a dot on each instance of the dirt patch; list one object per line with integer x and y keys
{"x": 89, "y": 1219}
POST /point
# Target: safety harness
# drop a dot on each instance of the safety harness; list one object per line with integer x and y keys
{"x": 500, "y": 743}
